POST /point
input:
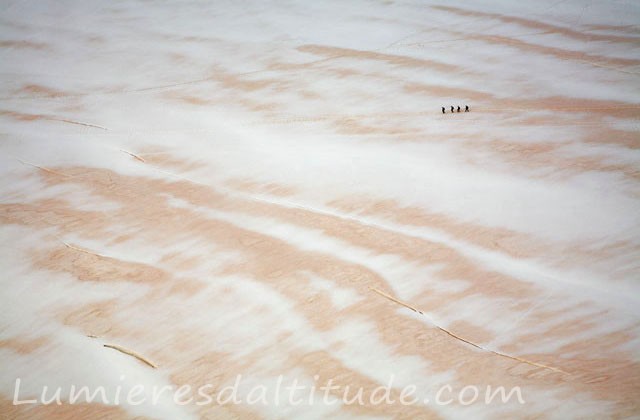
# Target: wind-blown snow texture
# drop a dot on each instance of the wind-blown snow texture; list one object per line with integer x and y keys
{"x": 220, "y": 186}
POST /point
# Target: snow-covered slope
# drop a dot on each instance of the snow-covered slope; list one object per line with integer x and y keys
{"x": 270, "y": 191}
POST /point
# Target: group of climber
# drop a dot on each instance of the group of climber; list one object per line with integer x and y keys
{"x": 466, "y": 109}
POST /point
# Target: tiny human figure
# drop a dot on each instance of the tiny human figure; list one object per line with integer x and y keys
{"x": 443, "y": 110}
{"x": 458, "y": 109}
{"x": 466, "y": 108}
{"x": 452, "y": 109}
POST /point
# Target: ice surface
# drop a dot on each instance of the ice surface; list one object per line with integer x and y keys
{"x": 222, "y": 186}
